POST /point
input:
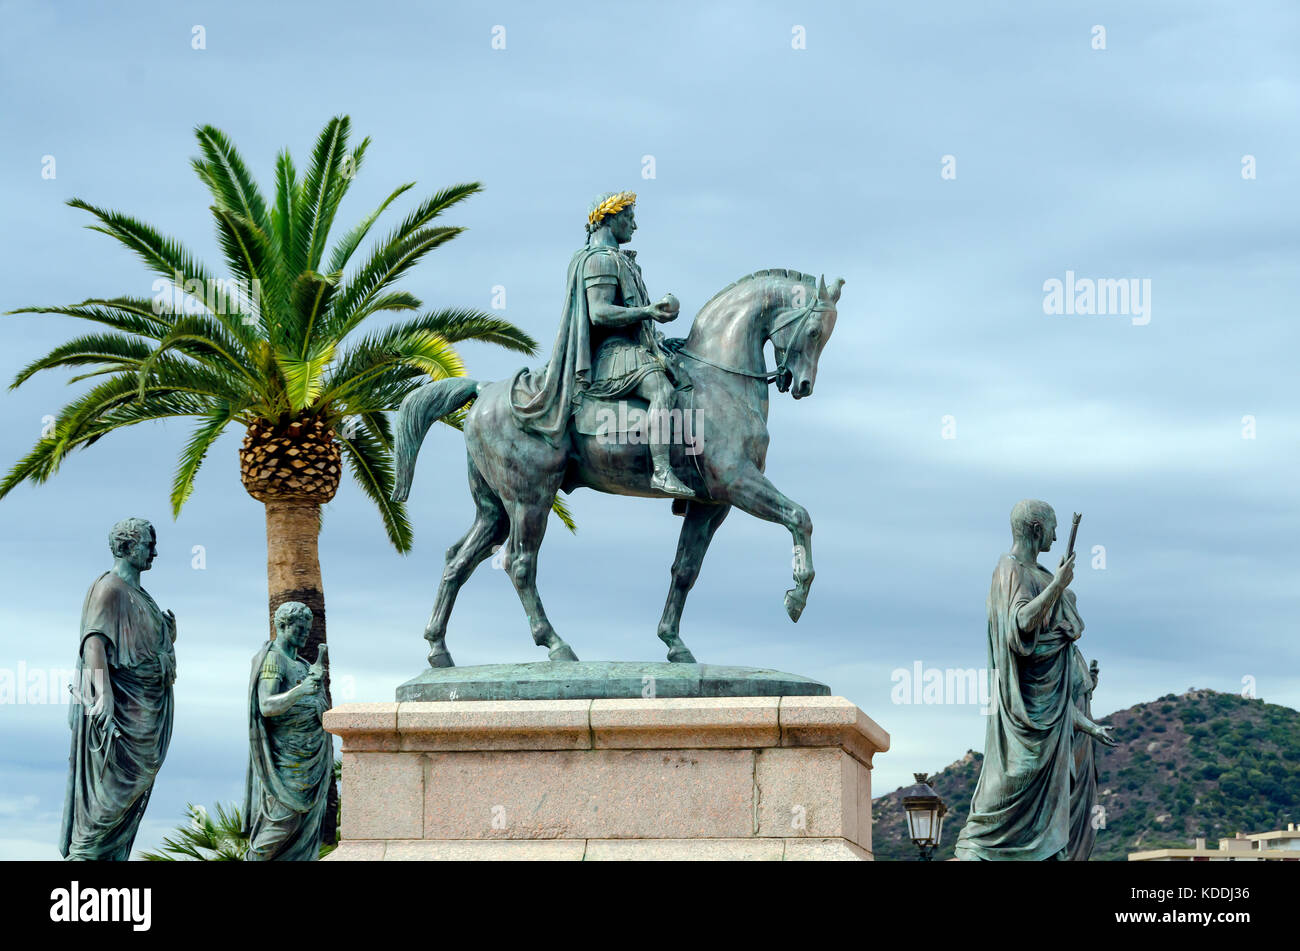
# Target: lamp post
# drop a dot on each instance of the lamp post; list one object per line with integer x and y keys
{"x": 925, "y": 812}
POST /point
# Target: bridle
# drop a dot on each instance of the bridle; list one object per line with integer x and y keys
{"x": 797, "y": 318}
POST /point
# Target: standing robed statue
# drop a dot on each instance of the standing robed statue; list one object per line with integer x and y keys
{"x": 1037, "y": 784}
{"x": 122, "y": 704}
{"x": 290, "y": 756}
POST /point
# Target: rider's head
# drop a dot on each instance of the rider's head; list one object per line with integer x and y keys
{"x": 616, "y": 211}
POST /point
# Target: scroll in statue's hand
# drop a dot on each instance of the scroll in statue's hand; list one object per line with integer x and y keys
{"x": 316, "y": 672}
{"x": 1064, "y": 573}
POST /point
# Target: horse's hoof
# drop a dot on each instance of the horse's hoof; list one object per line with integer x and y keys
{"x": 439, "y": 657}
{"x": 681, "y": 655}
{"x": 795, "y": 603}
{"x": 562, "y": 653}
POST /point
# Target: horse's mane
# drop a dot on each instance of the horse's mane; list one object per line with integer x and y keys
{"x": 766, "y": 272}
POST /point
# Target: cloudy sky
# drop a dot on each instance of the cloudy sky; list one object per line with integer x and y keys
{"x": 1122, "y": 162}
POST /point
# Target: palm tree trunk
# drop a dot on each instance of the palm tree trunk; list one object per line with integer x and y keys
{"x": 293, "y": 566}
{"x": 293, "y": 574}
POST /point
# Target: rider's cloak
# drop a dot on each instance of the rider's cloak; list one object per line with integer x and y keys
{"x": 543, "y": 399}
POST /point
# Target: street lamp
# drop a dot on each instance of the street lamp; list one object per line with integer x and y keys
{"x": 925, "y": 812}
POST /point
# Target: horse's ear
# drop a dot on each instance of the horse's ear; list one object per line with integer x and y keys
{"x": 836, "y": 288}
{"x": 821, "y": 289}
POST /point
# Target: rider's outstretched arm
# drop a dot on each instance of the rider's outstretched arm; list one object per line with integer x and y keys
{"x": 605, "y": 313}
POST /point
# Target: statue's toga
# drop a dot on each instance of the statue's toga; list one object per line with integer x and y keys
{"x": 1037, "y": 781}
{"x": 290, "y": 756}
{"x": 122, "y": 706}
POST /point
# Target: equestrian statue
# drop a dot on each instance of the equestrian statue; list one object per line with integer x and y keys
{"x": 622, "y": 410}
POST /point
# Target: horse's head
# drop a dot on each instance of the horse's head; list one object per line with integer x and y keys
{"x": 799, "y": 336}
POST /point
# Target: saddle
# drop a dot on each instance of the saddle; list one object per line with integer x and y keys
{"x": 628, "y": 416}
{"x": 627, "y": 419}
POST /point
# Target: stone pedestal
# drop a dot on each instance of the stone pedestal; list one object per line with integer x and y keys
{"x": 686, "y": 778}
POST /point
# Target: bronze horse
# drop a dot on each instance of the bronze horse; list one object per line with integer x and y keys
{"x": 514, "y": 474}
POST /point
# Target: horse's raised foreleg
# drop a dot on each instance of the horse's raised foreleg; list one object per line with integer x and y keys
{"x": 489, "y": 529}
{"x": 527, "y": 527}
{"x": 751, "y": 492}
{"x": 697, "y": 531}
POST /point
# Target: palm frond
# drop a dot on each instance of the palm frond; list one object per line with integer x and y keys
{"x": 561, "y": 511}
{"x": 204, "y": 839}
{"x": 311, "y": 298}
{"x": 385, "y": 266}
{"x": 304, "y": 377}
{"x": 251, "y": 256}
{"x": 127, "y": 314}
{"x": 115, "y": 351}
{"x": 394, "y": 255}
{"x": 380, "y": 391}
{"x": 284, "y": 214}
{"x": 377, "y": 373}
{"x": 349, "y": 243}
{"x": 209, "y": 429}
{"x": 317, "y": 200}
{"x": 225, "y": 173}
{"x": 432, "y": 207}
{"x": 370, "y": 459}
{"x": 161, "y": 255}
{"x": 201, "y": 339}
{"x": 108, "y": 406}
{"x": 416, "y": 348}
{"x": 392, "y": 301}
{"x": 457, "y": 324}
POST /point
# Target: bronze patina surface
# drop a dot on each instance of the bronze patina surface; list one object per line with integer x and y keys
{"x": 604, "y": 681}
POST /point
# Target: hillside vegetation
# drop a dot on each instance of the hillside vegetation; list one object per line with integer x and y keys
{"x": 1201, "y": 763}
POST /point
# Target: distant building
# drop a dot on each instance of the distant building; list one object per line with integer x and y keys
{"x": 1280, "y": 846}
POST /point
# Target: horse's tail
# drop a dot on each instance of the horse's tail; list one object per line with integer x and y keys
{"x": 420, "y": 410}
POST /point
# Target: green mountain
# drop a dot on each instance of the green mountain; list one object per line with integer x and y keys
{"x": 1201, "y": 763}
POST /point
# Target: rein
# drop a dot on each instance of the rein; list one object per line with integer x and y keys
{"x": 767, "y": 376}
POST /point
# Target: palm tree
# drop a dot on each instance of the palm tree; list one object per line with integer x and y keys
{"x": 275, "y": 349}
{"x": 205, "y": 839}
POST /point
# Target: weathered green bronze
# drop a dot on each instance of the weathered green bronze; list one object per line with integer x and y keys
{"x": 703, "y": 401}
{"x": 122, "y": 706}
{"x": 597, "y": 681}
{"x": 290, "y": 756}
{"x": 1083, "y": 765}
{"x": 1037, "y": 785}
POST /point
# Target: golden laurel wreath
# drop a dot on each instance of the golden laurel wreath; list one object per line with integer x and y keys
{"x": 611, "y": 206}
